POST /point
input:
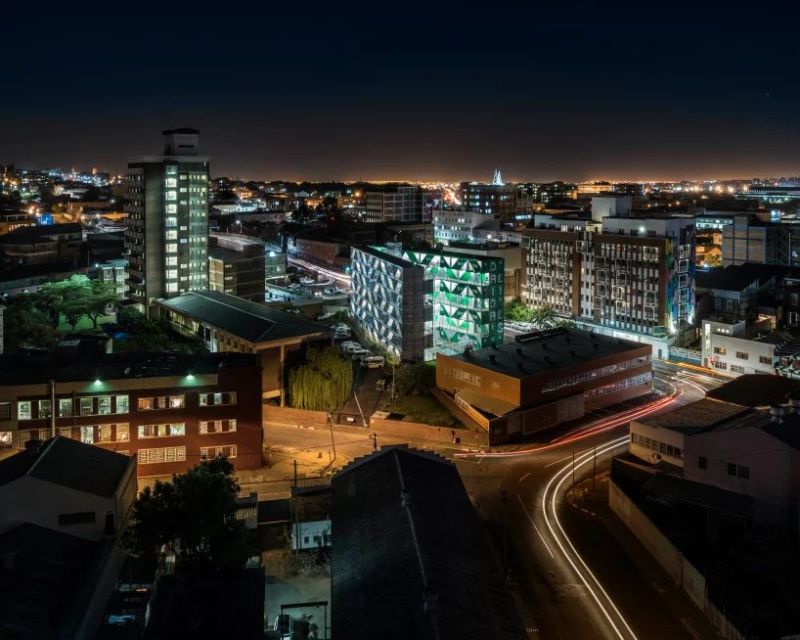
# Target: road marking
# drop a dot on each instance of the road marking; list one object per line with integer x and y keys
{"x": 566, "y": 458}
{"x": 525, "y": 476}
{"x": 539, "y": 533}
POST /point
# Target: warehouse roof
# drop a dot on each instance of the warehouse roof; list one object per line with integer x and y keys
{"x": 544, "y": 351}
{"x": 250, "y": 321}
{"x": 411, "y": 558}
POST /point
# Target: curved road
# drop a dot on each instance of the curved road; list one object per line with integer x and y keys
{"x": 524, "y": 490}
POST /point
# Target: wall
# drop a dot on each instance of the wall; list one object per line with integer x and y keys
{"x": 32, "y": 500}
{"x": 670, "y": 558}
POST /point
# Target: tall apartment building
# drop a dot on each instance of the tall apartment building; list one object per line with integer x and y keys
{"x": 166, "y": 242}
{"x": 747, "y": 239}
{"x": 632, "y": 277}
{"x": 394, "y": 203}
{"x": 236, "y": 265}
{"x": 461, "y": 305}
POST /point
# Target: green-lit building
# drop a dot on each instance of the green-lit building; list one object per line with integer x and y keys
{"x": 456, "y": 299}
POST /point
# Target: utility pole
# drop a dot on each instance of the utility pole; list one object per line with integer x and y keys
{"x": 52, "y": 408}
{"x": 333, "y": 442}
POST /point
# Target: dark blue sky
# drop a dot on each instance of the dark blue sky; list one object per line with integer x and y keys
{"x": 402, "y": 95}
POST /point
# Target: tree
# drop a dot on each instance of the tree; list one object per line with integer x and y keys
{"x": 543, "y": 317}
{"x": 28, "y": 322}
{"x": 192, "y": 517}
{"x": 323, "y": 382}
{"x": 414, "y": 378}
{"x": 78, "y": 296}
{"x": 518, "y": 312}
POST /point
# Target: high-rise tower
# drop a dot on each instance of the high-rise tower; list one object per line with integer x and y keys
{"x": 167, "y": 238}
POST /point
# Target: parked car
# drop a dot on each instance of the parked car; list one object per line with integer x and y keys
{"x": 349, "y": 347}
{"x": 373, "y": 362}
{"x": 360, "y": 354}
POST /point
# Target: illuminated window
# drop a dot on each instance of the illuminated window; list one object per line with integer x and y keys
{"x": 162, "y": 430}
{"x": 44, "y": 409}
{"x": 217, "y": 426}
{"x": 227, "y": 450}
{"x": 122, "y": 404}
{"x": 24, "y": 410}
{"x": 161, "y": 455}
{"x": 171, "y": 196}
{"x": 172, "y": 208}
{"x": 65, "y": 407}
{"x": 171, "y": 183}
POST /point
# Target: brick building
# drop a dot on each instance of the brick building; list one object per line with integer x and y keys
{"x": 168, "y": 410}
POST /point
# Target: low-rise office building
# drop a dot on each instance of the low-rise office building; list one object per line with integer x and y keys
{"x": 728, "y": 446}
{"x": 729, "y": 349}
{"x": 167, "y": 410}
{"x": 543, "y": 379}
{"x": 236, "y": 265}
{"x": 228, "y": 323}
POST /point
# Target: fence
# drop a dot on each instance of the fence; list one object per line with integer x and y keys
{"x": 683, "y": 572}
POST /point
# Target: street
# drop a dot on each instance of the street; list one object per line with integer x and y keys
{"x": 558, "y": 579}
{"x": 574, "y": 579}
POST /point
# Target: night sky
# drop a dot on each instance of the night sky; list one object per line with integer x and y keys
{"x": 405, "y": 96}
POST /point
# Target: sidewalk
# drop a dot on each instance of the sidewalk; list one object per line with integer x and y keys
{"x": 653, "y": 604}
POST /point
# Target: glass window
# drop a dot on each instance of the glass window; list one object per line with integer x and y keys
{"x": 6, "y": 439}
{"x": 145, "y": 404}
{"x": 106, "y": 433}
{"x": 731, "y": 469}
{"x": 65, "y": 407}
{"x": 104, "y": 405}
{"x": 87, "y": 406}
{"x": 5, "y": 411}
{"x": 176, "y": 402}
{"x": 87, "y": 435}
{"x": 122, "y": 432}
{"x": 44, "y": 409}
{"x": 24, "y": 410}
{"x": 122, "y": 404}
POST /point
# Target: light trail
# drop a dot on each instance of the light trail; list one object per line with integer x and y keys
{"x": 601, "y": 426}
{"x": 329, "y": 273}
{"x": 550, "y": 496}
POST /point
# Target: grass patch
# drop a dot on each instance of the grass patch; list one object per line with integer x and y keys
{"x": 423, "y": 408}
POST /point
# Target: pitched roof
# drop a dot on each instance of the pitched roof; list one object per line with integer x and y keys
{"x": 410, "y": 556}
{"x": 71, "y": 464}
{"x": 250, "y": 321}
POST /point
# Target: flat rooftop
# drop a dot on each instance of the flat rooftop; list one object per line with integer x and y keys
{"x": 727, "y": 279}
{"x": 550, "y": 350}
{"x": 706, "y": 415}
{"x": 250, "y": 321}
{"x": 756, "y": 390}
{"x": 21, "y": 368}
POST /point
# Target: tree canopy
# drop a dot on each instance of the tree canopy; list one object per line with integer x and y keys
{"x": 78, "y": 296}
{"x": 192, "y": 517}
{"x": 323, "y": 382}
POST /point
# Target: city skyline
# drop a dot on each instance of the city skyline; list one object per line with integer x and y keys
{"x": 541, "y": 101}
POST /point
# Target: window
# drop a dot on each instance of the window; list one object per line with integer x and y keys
{"x": 731, "y": 469}
{"x": 217, "y": 399}
{"x": 720, "y": 351}
{"x": 227, "y": 450}
{"x": 84, "y": 517}
{"x": 161, "y": 455}
{"x": 765, "y": 360}
{"x": 112, "y": 433}
{"x": 6, "y": 438}
{"x": 5, "y": 411}
{"x": 162, "y": 430}
{"x": 122, "y": 404}
{"x": 721, "y": 365}
{"x": 104, "y": 405}
{"x": 44, "y": 409}
{"x": 702, "y": 462}
{"x": 735, "y": 368}
{"x": 161, "y": 402}
{"x": 24, "y": 410}
{"x": 87, "y": 406}
{"x": 742, "y": 355}
{"x": 87, "y": 435}
{"x": 743, "y": 472}
{"x": 217, "y": 426}
{"x": 65, "y": 407}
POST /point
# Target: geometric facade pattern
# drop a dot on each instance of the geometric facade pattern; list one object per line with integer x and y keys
{"x": 417, "y": 303}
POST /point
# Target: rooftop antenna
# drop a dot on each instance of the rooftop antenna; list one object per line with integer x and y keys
{"x": 497, "y": 178}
